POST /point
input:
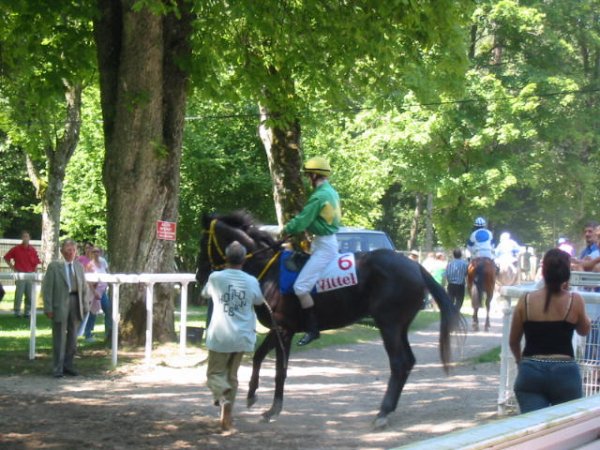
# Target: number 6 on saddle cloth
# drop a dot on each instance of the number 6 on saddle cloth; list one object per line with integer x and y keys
{"x": 341, "y": 272}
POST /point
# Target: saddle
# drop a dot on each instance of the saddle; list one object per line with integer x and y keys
{"x": 296, "y": 261}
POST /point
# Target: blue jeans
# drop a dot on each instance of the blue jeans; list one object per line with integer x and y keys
{"x": 542, "y": 383}
{"x": 106, "y": 306}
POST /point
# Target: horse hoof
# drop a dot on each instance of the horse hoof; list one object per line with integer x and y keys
{"x": 380, "y": 423}
{"x": 265, "y": 418}
{"x": 250, "y": 401}
{"x": 475, "y": 327}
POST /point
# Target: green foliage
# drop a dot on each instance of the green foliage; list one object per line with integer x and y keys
{"x": 491, "y": 356}
{"x": 44, "y": 47}
{"x": 224, "y": 168}
{"x": 286, "y": 56}
{"x": 84, "y": 200}
{"x": 17, "y": 196}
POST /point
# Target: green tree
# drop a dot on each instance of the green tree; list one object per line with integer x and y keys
{"x": 223, "y": 168}
{"x": 290, "y": 57}
{"x": 84, "y": 199}
{"x": 46, "y": 60}
{"x": 17, "y": 196}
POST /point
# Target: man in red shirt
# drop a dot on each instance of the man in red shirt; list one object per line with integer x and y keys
{"x": 23, "y": 258}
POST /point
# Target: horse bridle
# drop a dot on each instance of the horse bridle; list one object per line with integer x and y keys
{"x": 214, "y": 242}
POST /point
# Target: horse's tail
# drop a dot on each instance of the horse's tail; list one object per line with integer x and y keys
{"x": 451, "y": 318}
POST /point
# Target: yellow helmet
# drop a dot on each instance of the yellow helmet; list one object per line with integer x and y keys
{"x": 317, "y": 165}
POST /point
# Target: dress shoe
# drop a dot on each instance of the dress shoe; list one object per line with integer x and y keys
{"x": 71, "y": 372}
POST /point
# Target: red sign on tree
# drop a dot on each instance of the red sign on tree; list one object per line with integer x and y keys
{"x": 166, "y": 230}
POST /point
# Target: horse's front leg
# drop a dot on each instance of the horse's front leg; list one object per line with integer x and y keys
{"x": 475, "y": 320}
{"x": 282, "y": 352}
{"x": 259, "y": 355}
{"x": 402, "y": 360}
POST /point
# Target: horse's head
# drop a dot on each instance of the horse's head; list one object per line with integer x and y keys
{"x": 218, "y": 231}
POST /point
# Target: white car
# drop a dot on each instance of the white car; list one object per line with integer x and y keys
{"x": 351, "y": 239}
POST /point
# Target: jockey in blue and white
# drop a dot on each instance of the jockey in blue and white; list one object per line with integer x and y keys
{"x": 481, "y": 241}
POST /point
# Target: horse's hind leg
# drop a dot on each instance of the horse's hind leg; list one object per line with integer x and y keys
{"x": 487, "y": 316}
{"x": 259, "y": 355}
{"x": 282, "y": 351}
{"x": 402, "y": 360}
{"x": 475, "y": 302}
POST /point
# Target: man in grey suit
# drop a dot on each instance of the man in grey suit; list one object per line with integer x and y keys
{"x": 66, "y": 302}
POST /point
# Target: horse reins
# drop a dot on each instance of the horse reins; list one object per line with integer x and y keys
{"x": 212, "y": 239}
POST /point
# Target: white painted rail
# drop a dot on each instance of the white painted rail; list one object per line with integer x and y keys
{"x": 571, "y": 425}
{"x": 116, "y": 280}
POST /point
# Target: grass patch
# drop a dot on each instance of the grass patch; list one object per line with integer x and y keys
{"x": 14, "y": 349}
{"x": 94, "y": 358}
{"x": 491, "y": 356}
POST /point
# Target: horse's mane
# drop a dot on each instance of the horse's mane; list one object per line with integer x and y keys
{"x": 243, "y": 220}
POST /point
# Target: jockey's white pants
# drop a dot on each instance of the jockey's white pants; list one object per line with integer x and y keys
{"x": 324, "y": 250}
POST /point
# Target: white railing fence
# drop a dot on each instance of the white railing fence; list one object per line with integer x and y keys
{"x": 115, "y": 281}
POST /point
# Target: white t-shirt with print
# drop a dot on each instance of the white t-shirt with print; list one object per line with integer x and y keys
{"x": 232, "y": 326}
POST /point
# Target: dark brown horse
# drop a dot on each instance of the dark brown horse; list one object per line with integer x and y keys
{"x": 481, "y": 278}
{"x": 391, "y": 289}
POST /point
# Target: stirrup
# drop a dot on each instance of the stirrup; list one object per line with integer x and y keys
{"x": 308, "y": 338}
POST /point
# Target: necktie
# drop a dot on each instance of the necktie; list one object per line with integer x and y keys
{"x": 72, "y": 279}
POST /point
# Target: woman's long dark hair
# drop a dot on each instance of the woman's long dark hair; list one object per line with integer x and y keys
{"x": 556, "y": 270}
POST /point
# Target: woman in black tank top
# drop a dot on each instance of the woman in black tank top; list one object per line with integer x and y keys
{"x": 548, "y": 373}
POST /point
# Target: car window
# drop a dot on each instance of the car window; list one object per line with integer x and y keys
{"x": 357, "y": 241}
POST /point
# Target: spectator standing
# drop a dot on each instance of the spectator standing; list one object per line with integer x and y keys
{"x": 100, "y": 301}
{"x": 456, "y": 273}
{"x": 547, "y": 371}
{"x": 414, "y": 255}
{"x": 566, "y": 246}
{"x": 439, "y": 268}
{"x": 23, "y": 258}
{"x": 231, "y": 331}
{"x": 85, "y": 260}
{"x": 87, "y": 254}
{"x": 66, "y": 302}
{"x": 590, "y": 251}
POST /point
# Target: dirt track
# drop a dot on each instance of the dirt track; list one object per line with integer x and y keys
{"x": 332, "y": 395}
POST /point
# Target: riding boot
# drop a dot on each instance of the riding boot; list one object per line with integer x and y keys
{"x": 312, "y": 327}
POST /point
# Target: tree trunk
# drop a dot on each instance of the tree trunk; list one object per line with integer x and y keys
{"x": 416, "y": 219}
{"x": 49, "y": 190}
{"x": 143, "y": 94}
{"x": 282, "y": 144}
{"x": 429, "y": 224}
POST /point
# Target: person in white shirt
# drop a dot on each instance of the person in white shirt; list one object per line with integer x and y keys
{"x": 231, "y": 330}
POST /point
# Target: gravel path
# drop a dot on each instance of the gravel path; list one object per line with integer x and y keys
{"x": 332, "y": 396}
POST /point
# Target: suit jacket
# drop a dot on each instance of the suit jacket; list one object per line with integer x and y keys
{"x": 55, "y": 291}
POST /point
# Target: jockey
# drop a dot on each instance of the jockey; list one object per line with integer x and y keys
{"x": 507, "y": 250}
{"x": 480, "y": 243}
{"x": 321, "y": 216}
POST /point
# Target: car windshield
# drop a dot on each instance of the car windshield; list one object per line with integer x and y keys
{"x": 357, "y": 241}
